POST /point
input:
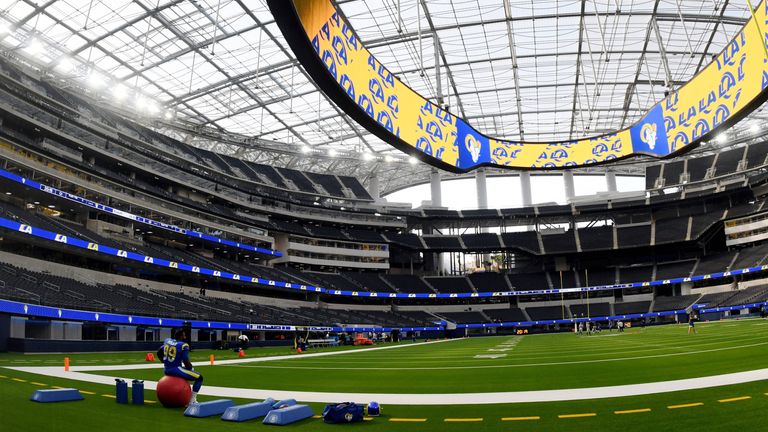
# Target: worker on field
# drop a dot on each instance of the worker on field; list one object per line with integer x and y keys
{"x": 691, "y": 322}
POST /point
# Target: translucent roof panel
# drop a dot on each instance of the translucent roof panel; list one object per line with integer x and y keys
{"x": 515, "y": 69}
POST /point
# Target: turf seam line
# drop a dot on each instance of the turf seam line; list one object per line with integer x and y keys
{"x": 38, "y": 384}
{"x": 415, "y": 420}
{"x": 86, "y": 392}
{"x": 18, "y": 380}
{"x": 734, "y": 399}
{"x": 633, "y": 411}
{"x": 109, "y": 396}
{"x": 520, "y": 418}
{"x": 567, "y": 416}
{"x": 688, "y": 405}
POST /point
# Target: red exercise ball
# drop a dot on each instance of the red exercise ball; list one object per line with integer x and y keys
{"x": 173, "y": 392}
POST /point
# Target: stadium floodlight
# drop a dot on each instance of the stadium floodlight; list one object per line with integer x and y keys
{"x": 755, "y": 128}
{"x": 152, "y": 107}
{"x": 95, "y": 80}
{"x": 65, "y": 65}
{"x": 367, "y": 156}
{"x": 4, "y": 29}
{"x": 412, "y": 160}
{"x": 332, "y": 152}
{"x": 34, "y": 47}
{"x": 119, "y": 92}
{"x": 722, "y": 138}
{"x": 305, "y": 149}
{"x": 388, "y": 158}
{"x": 169, "y": 114}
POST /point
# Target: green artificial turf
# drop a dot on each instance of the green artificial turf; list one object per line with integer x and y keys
{"x": 691, "y": 355}
{"x": 536, "y": 362}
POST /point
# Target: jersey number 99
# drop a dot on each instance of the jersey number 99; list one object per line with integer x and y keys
{"x": 169, "y": 351}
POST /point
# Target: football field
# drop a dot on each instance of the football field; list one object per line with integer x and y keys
{"x": 638, "y": 379}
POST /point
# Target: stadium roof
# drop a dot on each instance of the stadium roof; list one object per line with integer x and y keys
{"x": 513, "y": 68}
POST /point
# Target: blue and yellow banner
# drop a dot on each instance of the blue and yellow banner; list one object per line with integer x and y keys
{"x": 727, "y": 89}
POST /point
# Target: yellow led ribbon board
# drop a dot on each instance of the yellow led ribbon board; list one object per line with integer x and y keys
{"x": 729, "y": 87}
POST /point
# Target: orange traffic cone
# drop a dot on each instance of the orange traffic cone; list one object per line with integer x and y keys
{"x": 298, "y": 350}
{"x": 241, "y": 353}
{"x": 150, "y": 357}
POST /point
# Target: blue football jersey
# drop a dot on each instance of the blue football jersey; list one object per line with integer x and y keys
{"x": 174, "y": 353}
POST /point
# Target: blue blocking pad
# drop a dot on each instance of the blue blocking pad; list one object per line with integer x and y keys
{"x": 207, "y": 409}
{"x": 241, "y": 413}
{"x": 56, "y": 395}
{"x": 288, "y": 415}
{"x": 284, "y": 403}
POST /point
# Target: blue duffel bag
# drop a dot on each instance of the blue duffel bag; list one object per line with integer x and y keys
{"x": 345, "y": 412}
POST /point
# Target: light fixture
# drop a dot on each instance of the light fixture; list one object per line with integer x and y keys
{"x": 305, "y": 149}
{"x": 755, "y": 128}
{"x": 332, "y": 152}
{"x": 412, "y": 160}
{"x": 34, "y": 47}
{"x": 4, "y": 29}
{"x": 722, "y": 138}
{"x": 8, "y": 193}
{"x": 168, "y": 114}
{"x": 388, "y": 158}
{"x": 65, "y": 65}
{"x": 141, "y": 102}
{"x": 152, "y": 108}
{"x": 95, "y": 80}
{"x": 51, "y": 206}
{"x": 367, "y": 156}
{"x": 119, "y": 92}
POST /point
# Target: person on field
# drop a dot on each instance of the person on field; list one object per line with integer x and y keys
{"x": 691, "y": 322}
{"x": 174, "y": 353}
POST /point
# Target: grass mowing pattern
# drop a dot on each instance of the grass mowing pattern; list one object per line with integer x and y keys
{"x": 537, "y": 362}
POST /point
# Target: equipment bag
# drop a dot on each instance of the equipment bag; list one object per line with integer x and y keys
{"x": 345, "y": 412}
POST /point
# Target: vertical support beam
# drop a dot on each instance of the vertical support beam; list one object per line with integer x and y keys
{"x": 570, "y": 188}
{"x": 438, "y": 80}
{"x": 437, "y": 193}
{"x": 664, "y": 62}
{"x": 610, "y": 180}
{"x": 373, "y": 187}
{"x": 482, "y": 189}
{"x": 525, "y": 188}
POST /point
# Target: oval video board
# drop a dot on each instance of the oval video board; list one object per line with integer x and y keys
{"x": 723, "y": 92}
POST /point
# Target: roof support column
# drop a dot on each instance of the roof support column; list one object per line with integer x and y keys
{"x": 525, "y": 188}
{"x": 437, "y": 193}
{"x": 373, "y": 187}
{"x": 482, "y": 189}
{"x": 570, "y": 188}
{"x": 610, "y": 180}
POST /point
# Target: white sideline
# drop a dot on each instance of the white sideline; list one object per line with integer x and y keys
{"x": 157, "y": 365}
{"x": 440, "y": 398}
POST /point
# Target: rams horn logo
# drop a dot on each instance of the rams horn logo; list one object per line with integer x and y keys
{"x": 648, "y": 135}
{"x": 473, "y": 145}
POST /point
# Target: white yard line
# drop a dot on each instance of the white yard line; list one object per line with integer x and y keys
{"x": 504, "y": 366}
{"x": 158, "y": 365}
{"x": 441, "y": 398}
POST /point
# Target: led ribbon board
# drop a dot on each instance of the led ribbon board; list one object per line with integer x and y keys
{"x": 136, "y": 218}
{"x": 723, "y": 92}
{"x": 73, "y": 241}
